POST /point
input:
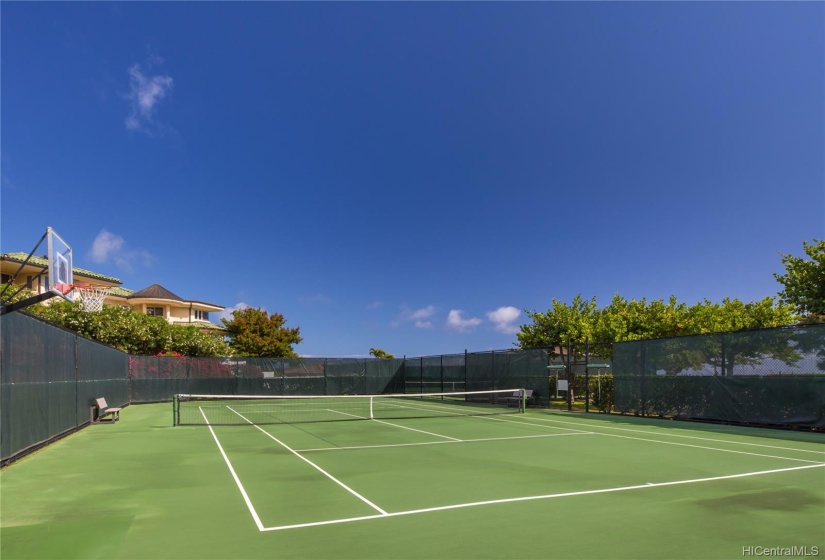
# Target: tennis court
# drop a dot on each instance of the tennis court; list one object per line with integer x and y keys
{"x": 538, "y": 484}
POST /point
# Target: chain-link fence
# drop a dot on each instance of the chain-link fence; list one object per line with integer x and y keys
{"x": 479, "y": 371}
{"x": 157, "y": 378}
{"x": 49, "y": 377}
{"x": 768, "y": 377}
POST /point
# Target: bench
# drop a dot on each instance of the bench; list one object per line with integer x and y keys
{"x": 101, "y": 410}
{"x": 515, "y": 400}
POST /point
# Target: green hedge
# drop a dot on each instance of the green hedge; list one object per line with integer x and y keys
{"x": 601, "y": 390}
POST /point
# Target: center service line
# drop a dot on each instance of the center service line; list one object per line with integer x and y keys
{"x": 319, "y": 469}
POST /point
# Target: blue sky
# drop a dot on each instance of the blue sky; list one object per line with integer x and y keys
{"x": 413, "y": 176}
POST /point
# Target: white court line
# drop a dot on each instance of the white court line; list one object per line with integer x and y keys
{"x": 234, "y": 475}
{"x": 541, "y": 497}
{"x": 415, "y": 430}
{"x": 445, "y": 409}
{"x": 319, "y": 469}
{"x": 667, "y": 442}
{"x": 685, "y": 436}
{"x": 439, "y": 442}
{"x": 346, "y": 414}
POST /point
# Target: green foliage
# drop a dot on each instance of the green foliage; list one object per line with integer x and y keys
{"x": 559, "y": 324}
{"x": 191, "y": 341}
{"x": 253, "y": 332}
{"x": 135, "y": 333}
{"x": 804, "y": 281}
{"x": 378, "y": 353}
{"x": 624, "y": 320}
{"x": 12, "y": 295}
{"x": 601, "y": 390}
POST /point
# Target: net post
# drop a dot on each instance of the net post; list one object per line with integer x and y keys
{"x": 175, "y": 409}
{"x": 569, "y": 372}
{"x": 587, "y": 374}
{"x": 523, "y": 400}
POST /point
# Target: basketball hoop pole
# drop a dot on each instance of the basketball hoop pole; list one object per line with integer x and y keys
{"x": 23, "y": 264}
{"x": 26, "y": 302}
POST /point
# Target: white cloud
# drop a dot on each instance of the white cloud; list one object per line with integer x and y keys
{"x": 105, "y": 245}
{"x": 110, "y": 247}
{"x": 419, "y": 317}
{"x": 459, "y": 323}
{"x": 375, "y": 305}
{"x": 422, "y": 313}
{"x": 227, "y": 313}
{"x": 504, "y": 319}
{"x": 145, "y": 92}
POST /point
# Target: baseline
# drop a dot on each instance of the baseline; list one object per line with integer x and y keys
{"x": 542, "y": 497}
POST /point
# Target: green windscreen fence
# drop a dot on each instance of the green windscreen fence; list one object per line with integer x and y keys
{"x": 480, "y": 371}
{"x": 157, "y": 378}
{"x": 49, "y": 379}
{"x": 767, "y": 377}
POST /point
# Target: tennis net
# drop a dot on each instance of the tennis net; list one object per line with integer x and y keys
{"x": 293, "y": 409}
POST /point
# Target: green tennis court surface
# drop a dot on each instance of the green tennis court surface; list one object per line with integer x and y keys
{"x": 535, "y": 485}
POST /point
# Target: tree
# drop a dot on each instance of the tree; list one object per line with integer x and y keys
{"x": 804, "y": 282}
{"x": 378, "y": 353}
{"x": 724, "y": 352}
{"x": 624, "y": 320}
{"x": 252, "y": 332}
{"x": 560, "y": 323}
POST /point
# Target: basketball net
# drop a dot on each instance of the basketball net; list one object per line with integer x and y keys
{"x": 92, "y": 296}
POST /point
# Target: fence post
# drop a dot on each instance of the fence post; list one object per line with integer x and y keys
{"x": 569, "y": 376}
{"x": 642, "y": 384}
{"x": 724, "y": 361}
{"x": 493, "y": 369}
{"x": 465, "y": 370}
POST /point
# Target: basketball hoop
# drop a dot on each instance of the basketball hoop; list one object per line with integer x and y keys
{"x": 92, "y": 296}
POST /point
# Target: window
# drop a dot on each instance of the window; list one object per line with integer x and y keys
{"x": 154, "y": 311}
{"x": 6, "y": 278}
{"x": 201, "y": 315}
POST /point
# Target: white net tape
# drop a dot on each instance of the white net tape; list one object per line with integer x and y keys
{"x": 93, "y": 296}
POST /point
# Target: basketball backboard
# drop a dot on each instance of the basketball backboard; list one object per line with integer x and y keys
{"x": 60, "y": 278}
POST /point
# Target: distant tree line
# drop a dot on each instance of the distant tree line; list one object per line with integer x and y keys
{"x": 802, "y": 300}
